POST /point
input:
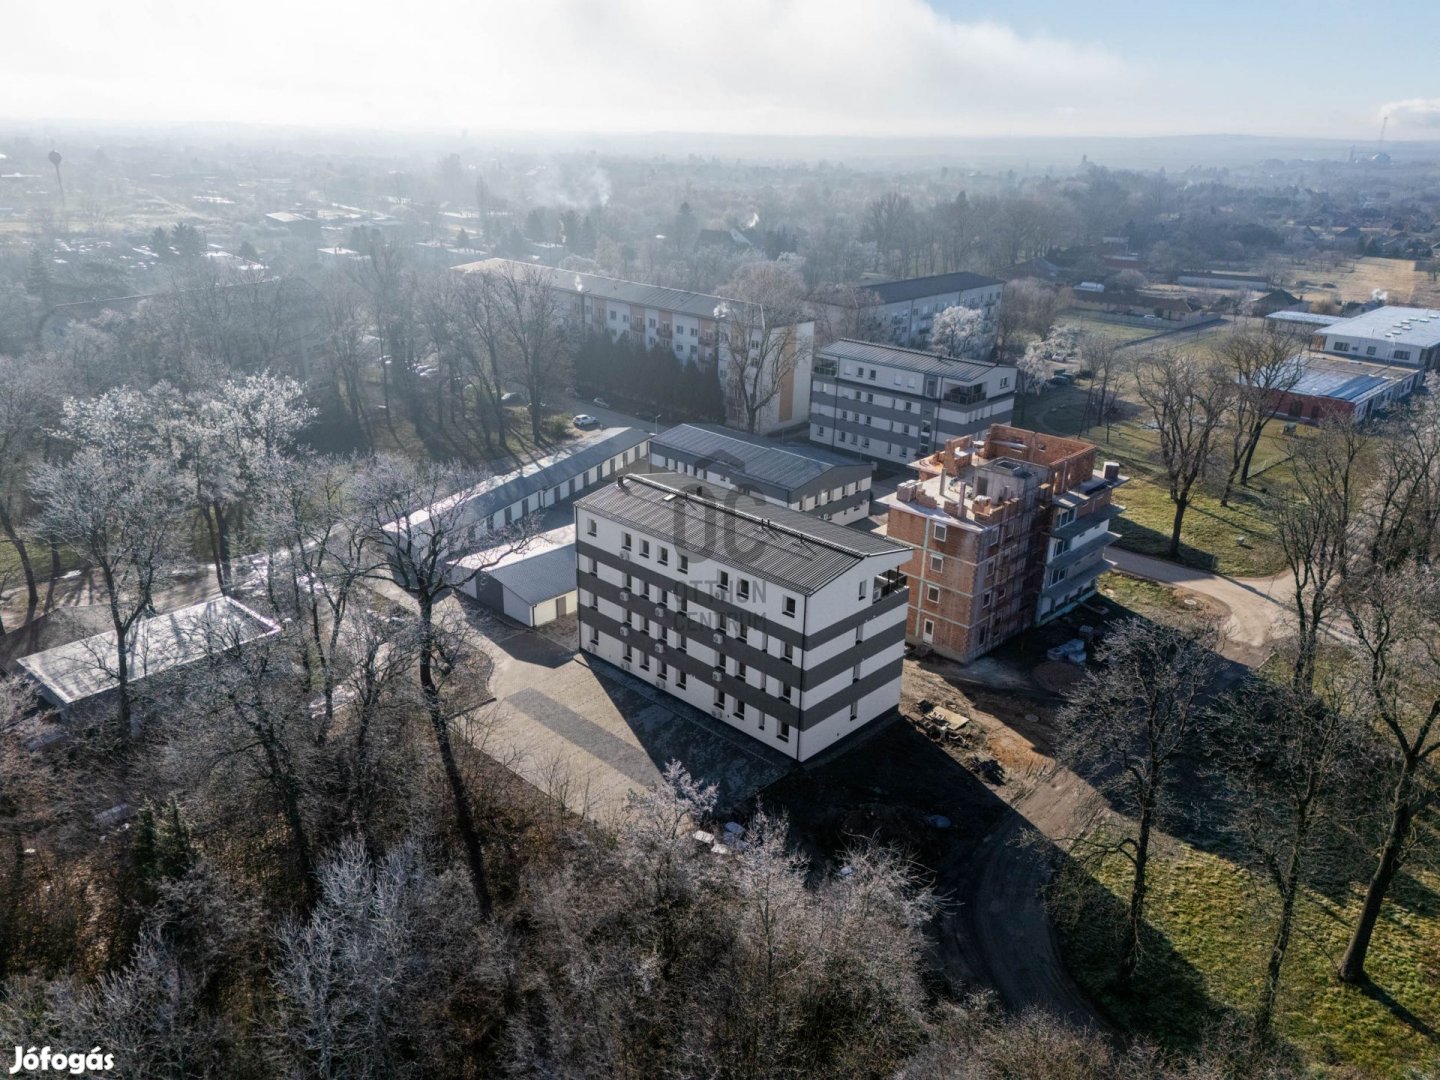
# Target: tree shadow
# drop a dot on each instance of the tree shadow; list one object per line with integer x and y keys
{"x": 1380, "y": 995}
{"x": 1147, "y": 541}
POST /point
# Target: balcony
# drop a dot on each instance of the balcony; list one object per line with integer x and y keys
{"x": 892, "y": 581}
{"x": 664, "y": 331}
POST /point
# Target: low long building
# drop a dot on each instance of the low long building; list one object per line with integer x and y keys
{"x": 84, "y": 672}
{"x": 1007, "y": 532}
{"x": 1332, "y": 386}
{"x": 897, "y": 404}
{"x": 801, "y": 477}
{"x": 787, "y": 628}
{"x": 1386, "y": 335}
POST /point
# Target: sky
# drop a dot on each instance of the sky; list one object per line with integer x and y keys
{"x": 834, "y": 67}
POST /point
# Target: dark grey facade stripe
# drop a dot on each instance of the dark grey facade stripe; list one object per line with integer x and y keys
{"x": 927, "y": 407}
{"x": 641, "y": 571}
{"x": 952, "y": 430}
{"x": 750, "y": 655}
{"x": 914, "y": 438}
{"x": 839, "y": 506}
{"x": 694, "y": 668}
{"x": 846, "y": 696}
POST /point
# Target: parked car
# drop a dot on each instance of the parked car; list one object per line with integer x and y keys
{"x": 585, "y": 420}
{"x": 602, "y": 403}
{"x": 512, "y": 398}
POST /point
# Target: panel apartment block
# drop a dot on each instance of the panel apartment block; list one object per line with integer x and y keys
{"x": 832, "y": 486}
{"x": 1007, "y": 533}
{"x": 788, "y": 628}
{"x": 898, "y": 404}
{"x": 697, "y": 327}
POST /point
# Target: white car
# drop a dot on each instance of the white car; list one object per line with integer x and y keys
{"x": 584, "y": 420}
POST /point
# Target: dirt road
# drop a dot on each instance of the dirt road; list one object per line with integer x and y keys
{"x": 1256, "y": 605}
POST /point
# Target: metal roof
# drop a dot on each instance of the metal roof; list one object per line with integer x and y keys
{"x": 1419, "y": 327}
{"x": 541, "y": 569}
{"x": 1309, "y": 318}
{"x": 929, "y": 363}
{"x": 754, "y": 457}
{"x": 784, "y": 546}
{"x": 85, "y": 668}
{"x": 895, "y": 292}
{"x": 1347, "y": 380}
{"x": 497, "y": 492}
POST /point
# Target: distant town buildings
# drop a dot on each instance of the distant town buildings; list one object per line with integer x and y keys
{"x": 788, "y": 628}
{"x": 1006, "y": 532}
{"x": 697, "y": 327}
{"x": 798, "y": 476}
{"x": 897, "y": 404}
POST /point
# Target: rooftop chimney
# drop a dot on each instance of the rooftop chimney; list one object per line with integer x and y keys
{"x": 1112, "y": 470}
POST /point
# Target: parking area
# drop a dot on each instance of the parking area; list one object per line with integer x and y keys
{"x": 588, "y": 734}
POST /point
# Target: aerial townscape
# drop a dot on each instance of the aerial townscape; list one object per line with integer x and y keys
{"x": 904, "y": 543}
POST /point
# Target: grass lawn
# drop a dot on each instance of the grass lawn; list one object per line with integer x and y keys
{"x": 1156, "y": 601}
{"x": 1208, "y": 536}
{"x": 1212, "y": 928}
{"x": 1103, "y": 328}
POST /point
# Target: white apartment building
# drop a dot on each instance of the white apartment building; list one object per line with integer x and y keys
{"x": 897, "y": 404}
{"x": 698, "y": 327}
{"x": 785, "y": 627}
{"x": 833, "y": 487}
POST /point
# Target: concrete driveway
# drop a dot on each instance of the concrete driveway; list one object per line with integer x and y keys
{"x": 588, "y": 734}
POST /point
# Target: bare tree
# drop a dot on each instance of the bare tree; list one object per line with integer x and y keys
{"x": 1263, "y": 367}
{"x": 424, "y": 529}
{"x": 764, "y": 336}
{"x": 1028, "y": 307}
{"x": 25, "y": 404}
{"x": 119, "y": 512}
{"x": 1188, "y": 399}
{"x": 535, "y": 341}
{"x": 1125, "y": 728}
{"x": 1313, "y": 526}
{"x": 1394, "y": 615}
{"x": 1290, "y": 759}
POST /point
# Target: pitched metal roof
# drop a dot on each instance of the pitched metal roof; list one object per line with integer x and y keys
{"x": 497, "y": 492}
{"x": 780, "y": 545}
{"x": 753, "y": 457}
{"x": 929, "y": 363}
{"x": 85, "y": 668}
{"x": 895, "y": 292}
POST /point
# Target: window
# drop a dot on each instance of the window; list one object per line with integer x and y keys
{"x": 784, "y": 692}
{"x": 594, "y": 601}
{"x": 784, "y": 733}
{"x": 1005, "y": 382}
{"x": 652, "y": 322}
{"x": 1402, "y": 354}
{"x": 1342, "y": 346}
{"x": 740, "y": 671}
{"x": 629, "y": 582}
{"x": 1370, "y": 351}
{"x": 932, "y": 594}
{"x": 740, "y": 711}
{"x": 985, "y": 600}
{"x": 644, "y": 661}
{"x": 790, "y": 606}
{"x": 627, "y": 542}
{"x": 612, "y": 316}
{"x": 679, "y": 679}
{"x": 679, "y": 642}
{"x": 720, "y": 699}
{"x": 724, "y": 585}
{"x": 682, "y": 562}
{"x": 854, "y": 711}
{"x": 644, "y": 549}
{"x": 862, "y": 590}
{"x": 929, "y": 629}
{"x": 762, "y": 721}
{"x": 743, "y": 588}
{"x": 664, "y": 556}
{"x": 938, "y": 534}
{"x": 627, "y": 654}
{"x": 937, "y": 564}
{"x": 594, "y": 637}
{"x": 787, "y": 653}
{"x": 855, "y": 674}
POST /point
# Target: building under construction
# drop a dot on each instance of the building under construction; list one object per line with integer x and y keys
{"x": 1009, "y": 530}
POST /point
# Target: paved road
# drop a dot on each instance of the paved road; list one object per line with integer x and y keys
{"x": 1257, "y": 606}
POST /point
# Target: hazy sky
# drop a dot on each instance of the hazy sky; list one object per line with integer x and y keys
{"x": 871, "y": 67}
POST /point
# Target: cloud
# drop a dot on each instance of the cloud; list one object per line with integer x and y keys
{"x": 765, "y": 66}
{"x": 1413, "y": 112}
